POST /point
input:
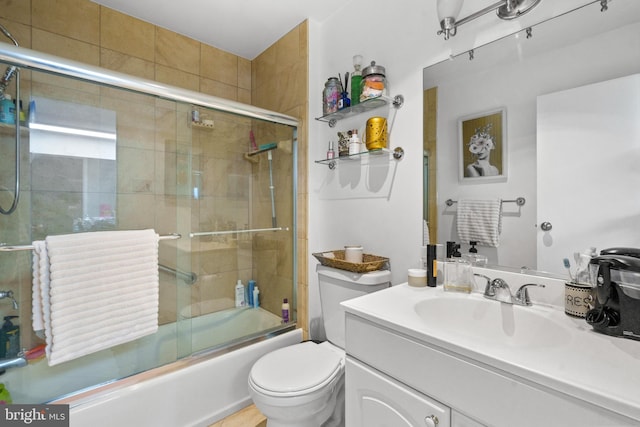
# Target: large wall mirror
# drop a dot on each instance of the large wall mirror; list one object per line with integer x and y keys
{"x": 570, "y": 95}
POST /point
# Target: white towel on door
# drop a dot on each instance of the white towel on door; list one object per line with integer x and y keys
{"x": 480, "y": 221}
{"x": 93, "y": 291}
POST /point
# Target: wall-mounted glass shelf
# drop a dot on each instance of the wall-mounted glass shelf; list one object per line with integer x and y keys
{"x": 7, "y": 128}
{"x": 362, "y": 107}
{"x": 397, "y": 153}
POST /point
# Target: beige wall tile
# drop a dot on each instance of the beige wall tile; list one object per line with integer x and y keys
{"x": 288, "y": 50}
{"x": 244, "y": 96}
{"x": 303, "y": 39}
{"x": 219, "y": 65}
{"x": 136, "y": 174}
{"x": 16, "y": 10}
{"x": 176, "y": 78}
{"x": 127, "y": 64}
{"x": 215, "y": 88}
{"x": 77, "y": 19}
{"x": 65, "y": 47}
{"x": 244, "y": 73}
{"x": 177, "y": 51}
{"x": 136, "y": 211}
{"x": 263, "y": 68}
{"x": 126, "y": 34}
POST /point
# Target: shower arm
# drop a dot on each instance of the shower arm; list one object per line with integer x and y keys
{"x": 11, "y": 70}
{"x": 8, "y": 34}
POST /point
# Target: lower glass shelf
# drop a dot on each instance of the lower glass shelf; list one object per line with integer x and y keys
{"x": 397, "y": 153}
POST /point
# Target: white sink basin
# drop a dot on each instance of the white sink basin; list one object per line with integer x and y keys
{"x": 477, "y": 318}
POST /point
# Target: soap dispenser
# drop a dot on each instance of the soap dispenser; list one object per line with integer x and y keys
{"x": 457, "y": 271}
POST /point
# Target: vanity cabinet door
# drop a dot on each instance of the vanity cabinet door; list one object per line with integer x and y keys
{"x": 375, "y": 400}
{"x": 459, "y": 420}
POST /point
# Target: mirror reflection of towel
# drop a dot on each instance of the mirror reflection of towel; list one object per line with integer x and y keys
{"x": 480, "y": 221}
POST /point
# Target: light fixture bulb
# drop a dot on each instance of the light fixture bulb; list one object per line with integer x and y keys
{"x": 513, "y": 9}
{"x": 449, "y": 9}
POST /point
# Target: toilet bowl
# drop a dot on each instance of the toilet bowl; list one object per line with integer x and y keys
{"x": 303, "y": 385}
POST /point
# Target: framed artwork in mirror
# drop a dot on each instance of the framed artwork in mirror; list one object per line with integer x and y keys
{"x": 482, "y": 147}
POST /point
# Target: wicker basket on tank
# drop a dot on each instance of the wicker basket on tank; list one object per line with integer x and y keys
{"x": 335, "y": 259}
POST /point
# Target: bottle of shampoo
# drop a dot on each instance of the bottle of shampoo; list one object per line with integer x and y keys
{"x": 240, "y": 301}
{"x": 285, "y": 311}
{"x": 9, "y": 338}
{"x": 250, "y": 287}
{"x": 256, "y": 297}
{"x": 7, "y": 110}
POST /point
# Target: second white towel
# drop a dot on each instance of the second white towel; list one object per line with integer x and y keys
{"x": 480, "y": 221}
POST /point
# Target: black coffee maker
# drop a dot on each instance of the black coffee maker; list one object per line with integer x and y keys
{"x": 617, "y": 301}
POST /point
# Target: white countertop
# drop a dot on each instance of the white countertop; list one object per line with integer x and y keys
{"x": 596, "y": 368}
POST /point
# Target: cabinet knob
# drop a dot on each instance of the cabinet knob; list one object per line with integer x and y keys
{"x": 431, "y": 421}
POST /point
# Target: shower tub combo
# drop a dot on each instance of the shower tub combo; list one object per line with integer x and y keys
{"x": 148, "y": 162}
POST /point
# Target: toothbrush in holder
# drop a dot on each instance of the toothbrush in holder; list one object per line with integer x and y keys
{"x": 567, "y": 265}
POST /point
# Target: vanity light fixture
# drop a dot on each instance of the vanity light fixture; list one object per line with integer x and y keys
{"x": 448, "y": 11}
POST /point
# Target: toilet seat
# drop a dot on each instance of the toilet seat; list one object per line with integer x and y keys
{"x": 296, "y": 370}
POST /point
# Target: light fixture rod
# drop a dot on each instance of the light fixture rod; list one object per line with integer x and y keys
{"x": 481, "y": 12}
{"x": 506, "y": 9}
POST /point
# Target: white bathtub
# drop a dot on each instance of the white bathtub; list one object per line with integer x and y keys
{"x": 211, "y": 385}
{"x": 190, "y": 392}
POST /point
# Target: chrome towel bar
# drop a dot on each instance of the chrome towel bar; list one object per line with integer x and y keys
{"x": 520, "y": 201}
{"x": 7, "y": 248}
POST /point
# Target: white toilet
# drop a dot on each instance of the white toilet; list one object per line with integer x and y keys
{"x": 303, "y": 385}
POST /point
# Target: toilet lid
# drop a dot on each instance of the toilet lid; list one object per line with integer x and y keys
{"x": 301, "y": 367}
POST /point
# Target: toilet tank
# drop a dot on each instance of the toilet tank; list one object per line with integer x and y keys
{"x": 341, "y": 285}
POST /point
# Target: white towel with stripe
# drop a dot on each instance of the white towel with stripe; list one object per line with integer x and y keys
{"x": 480, "y": 221}
{"x": 93, "y": 291}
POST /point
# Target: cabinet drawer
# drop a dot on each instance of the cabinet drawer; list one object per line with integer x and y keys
{"x": 376, "y": 400}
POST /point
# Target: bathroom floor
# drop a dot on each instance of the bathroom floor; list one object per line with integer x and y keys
{"x": 247, "y": 417}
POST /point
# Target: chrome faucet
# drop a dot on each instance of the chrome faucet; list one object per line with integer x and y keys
{"x": 13, "y": 362}
{"x": 9, "y": 294}
{"x": 498, "y": 289}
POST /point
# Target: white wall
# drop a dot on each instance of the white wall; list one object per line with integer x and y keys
{"x": 381, "y": 208}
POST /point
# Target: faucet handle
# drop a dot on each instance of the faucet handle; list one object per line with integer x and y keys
{"x": 487, "y": 288}
{"x": 522, "y": 294}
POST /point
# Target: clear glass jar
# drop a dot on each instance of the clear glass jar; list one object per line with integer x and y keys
{"x": 374, "y": 82}
{"x": 331, "y": 96}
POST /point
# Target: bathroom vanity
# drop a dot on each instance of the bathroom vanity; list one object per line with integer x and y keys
{"x": 425, "y": 357}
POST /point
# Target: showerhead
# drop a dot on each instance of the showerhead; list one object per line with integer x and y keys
{"x": 6, "y": 78}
